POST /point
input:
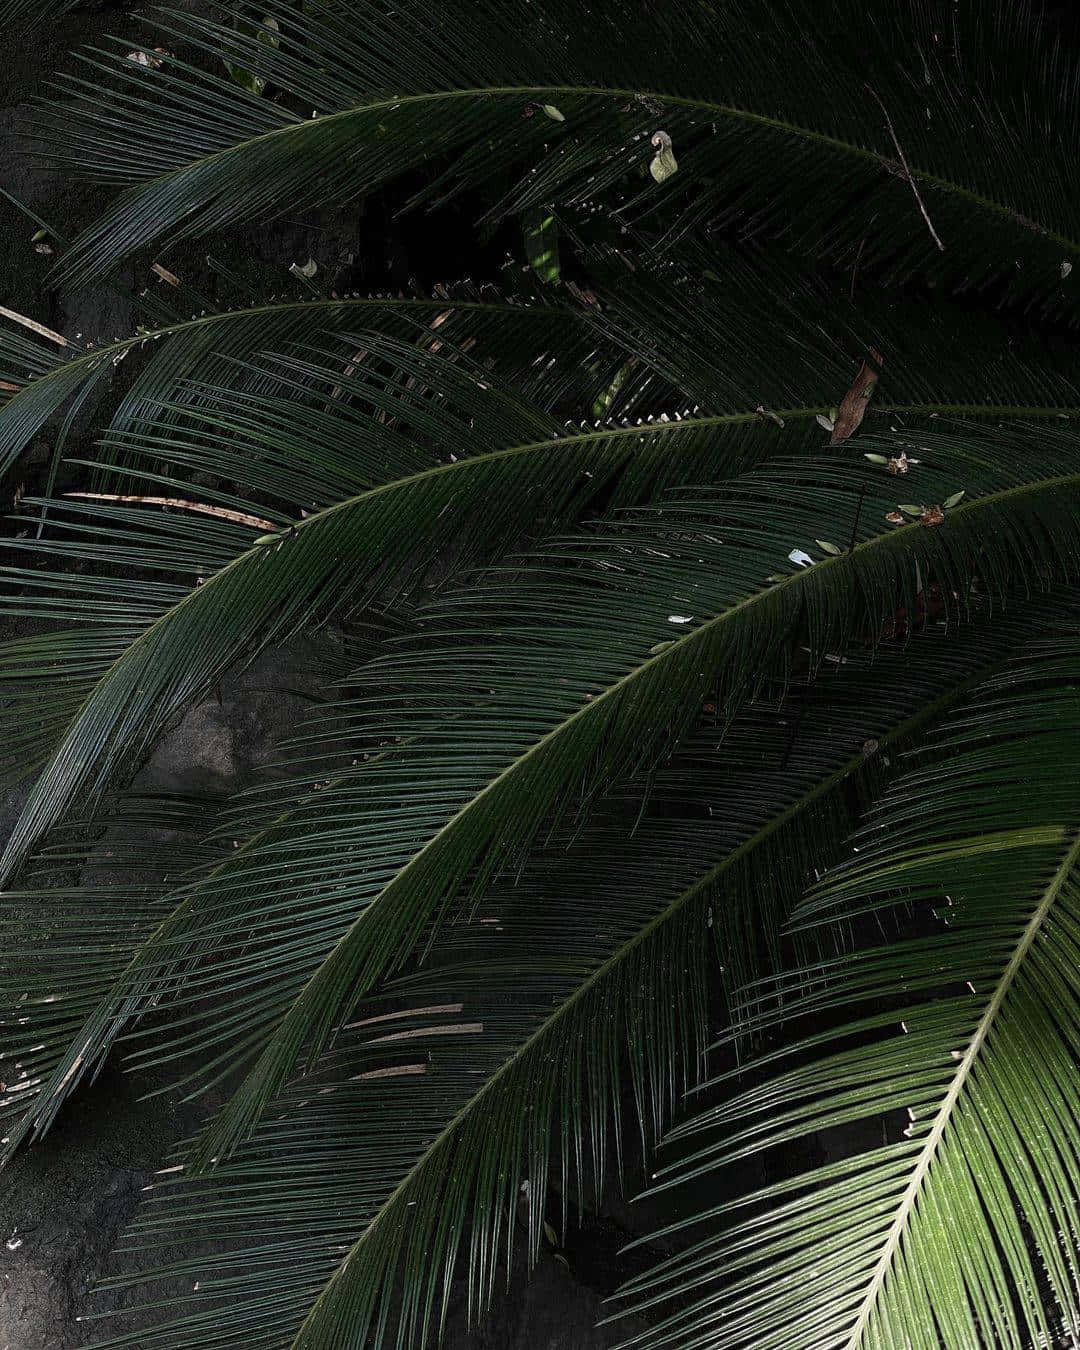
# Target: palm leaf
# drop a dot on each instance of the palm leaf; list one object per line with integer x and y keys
{"x": 540, "y": 346}
{"x": 757, "y": 134}
{"x": 984, "y": 1071}
{"x": 528, "y": 1021}
{"x": 503, "y": 713}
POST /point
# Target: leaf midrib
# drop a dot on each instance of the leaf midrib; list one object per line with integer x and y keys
{"x": 952, "y": 1097}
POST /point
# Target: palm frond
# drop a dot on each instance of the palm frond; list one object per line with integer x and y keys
{"x": 503, "y": 1060}
{"x": 497, "y": 713}
{"x": 953, "y": 161}
{"x": 542, "y": 347}
{"x": 962, "y": 1228}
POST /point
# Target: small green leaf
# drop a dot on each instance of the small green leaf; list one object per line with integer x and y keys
{"x": 664, "y": 163}
{"x": 954, "y": 500}
{"x": 607, "y": 397}
{"x": 659, "y": 647}
{"x": 909, "y": 510}
{"x": 265, "y": 32}
{"x": 550, "y": 1234}
{"x": 541, "y": 230}
{"x": 551, "y": 111}
{"x": 877, "y": 459}
{"x": 829, "y": 548}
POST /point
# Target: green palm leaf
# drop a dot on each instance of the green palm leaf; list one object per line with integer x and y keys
{"x": 528, "y": 1041}
{"x": 954, "y": 1229}
{"x": 757, "y": 133}
{"x": 504, "y": 713}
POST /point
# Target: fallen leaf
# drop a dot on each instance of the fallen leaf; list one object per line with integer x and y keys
{"x": 829, "y": 548}
{"x": 853, "y": 405}
{"x": 894, "y": 518}
{"x": 899, "y": 464}
{"x": 773, "y": 417}
{"x": 1066, "y": 268}
{"x": 151, "y": 60}
{"x": 307, "y": 269}
{"x": 663, "y": 164}
{"x": 553, "y": 112}
{"x": 954, "y": 500}
{"x": 825, "y": 423}
{"x": 265, "y": 32}
{"x": 932, "y": 515}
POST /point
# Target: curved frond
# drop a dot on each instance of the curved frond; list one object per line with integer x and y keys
{"x": 497, "y": 714}
{"x": 764, "y": 109}
{"x": 528, "y": 1019}
{"x": 978, "y": 1045}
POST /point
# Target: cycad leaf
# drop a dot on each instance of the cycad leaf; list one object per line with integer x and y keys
{"x": 764, "y": 136}
{"x": 585, "y": 669}
{"x": 536, "y": 1010}
{"x": 979, "y": 1044}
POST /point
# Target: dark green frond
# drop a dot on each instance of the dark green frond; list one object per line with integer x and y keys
{"x": 957, "y": 1228}
{"x": 538, "y": 1007}
{"x": 503, "y": 712}
{"x": 952, "y": 164}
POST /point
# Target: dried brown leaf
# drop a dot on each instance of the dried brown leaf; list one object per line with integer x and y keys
{"x": 853, "y": 405}
{"x": 204, "y": 508}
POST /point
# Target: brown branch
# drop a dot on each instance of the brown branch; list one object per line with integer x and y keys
{"x": 35, "y": 327}
{"x": 204, "y": 508}
{"x": 907, "y": 170}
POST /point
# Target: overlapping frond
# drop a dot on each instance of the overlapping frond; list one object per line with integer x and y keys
{"x": 931, "y": 140}
{"x": 961, "y": 1229}
{"x": 519, "y": 695}
{"x": 505, "y": 1059}
{"x": 547, "y": 350}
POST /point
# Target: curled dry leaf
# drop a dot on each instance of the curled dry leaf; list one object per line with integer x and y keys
{"x": 852, "y": 408}
{"x": 894, "y": 517}
{"x": 899, "y": 464}
{"x": 663, "y": 163}
{"x": 152, "y": 60}
{"x": 931, "y": 515}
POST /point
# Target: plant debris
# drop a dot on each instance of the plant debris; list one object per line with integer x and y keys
{"x": 663, "y": 164}
{"x": 853, "y": 405}
{"x": 222, "y": 512}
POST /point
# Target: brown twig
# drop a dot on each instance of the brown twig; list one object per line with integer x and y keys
{"x": 35, "y": 327}
{"x": 907, "y": 170}
{"x": 204, "y": 508}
